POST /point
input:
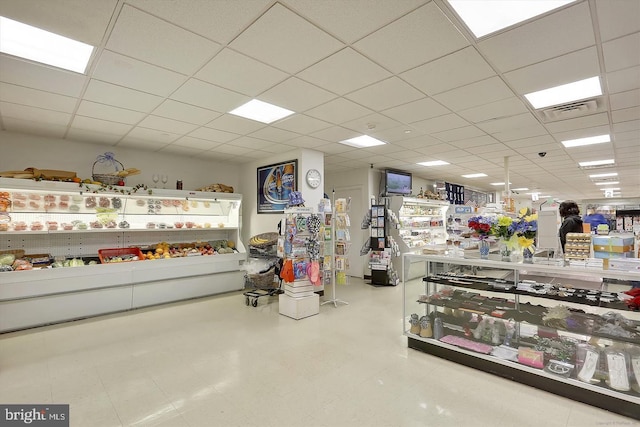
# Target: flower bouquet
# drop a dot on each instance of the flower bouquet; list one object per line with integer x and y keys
{"x": 504, "y": 230}
{"x": 525, "y": 228}
{"x": 481, "y": 227}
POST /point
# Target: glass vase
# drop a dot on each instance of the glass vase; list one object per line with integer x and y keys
{"x": 505, "y": 251}
{"x": 527, "y": 255}
{"x": 483, "y": 246}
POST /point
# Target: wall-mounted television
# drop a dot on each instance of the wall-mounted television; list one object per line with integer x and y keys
{"x": 397, "y": 182}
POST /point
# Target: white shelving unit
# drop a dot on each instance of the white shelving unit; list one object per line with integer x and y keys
{"x": 340, "y": 243}
{"x": 49, "y": 295}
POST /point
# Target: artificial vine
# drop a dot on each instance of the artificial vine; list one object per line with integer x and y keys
{"x": 115, "y": 189}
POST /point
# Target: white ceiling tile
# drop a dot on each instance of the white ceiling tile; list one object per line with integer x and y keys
{"x": 301, "y": 123}
{"x": 220, "y": 21}
{"x": 128, "y": 72}
{"x": 167, "y": 125}
{"x": 273, "y": 134}
{"x": 622, "y": 53}
{"x": 618, "y": 18}
{"x": 457, "y": 134}
{"x": 418, "y": 37}
{"x": 356, "y": 19}
{"x": 551, "y": 36}
{"x": 307, "y": 142}
{"x": 79, "y": 20}
{"x": 474, "y": 142}
{"x": 109, "y": 113}
{"x": 215, "y": 155}
{"x": 567, "y": 68}
{"x": 136, "y": 34}
{"x": 34, "y": 114}
{"x": 385, "y": 94}
{"x": 296, "y": 95}
{"x": 626, "y": 99}
{"x": 185, "y": 112}
{"x": 34, "y": 127}
{"x": 232, "y": 149}
{"x": 160, "y": 137}
{"x": 235, "y": 124}
{"x": 626, "y": 114}
{"x": 40, "y": 77}
{"x": 419, "y": 141}
{"x": 285, "y": 40}
{"x": 578, "y": 123}
{"x": 627, "y": 126}
{"x": 195, "y": 143}
{"x": 141, "y": 144}
{"x": 475, "y": 94}
{"x": 520, "y": 133}
{"x": 339, "y": 110}
{"x": 457, "y": 69}
{"x": 214, "y": 135}
{"x": 118, "y": 96}
{"x": 441, "y": 123}
{"x": 205, "y": 95}
{"x": 36, "y": 98}
{"x": 623, "y": 80}
{"x": 371, "y": 123}
{"x": 344, "y": 71}
{"x": 415, "y": 111}
{"x": 101, "y": 126}
{"x": 494, "y": 110}
{"x": 83, "y": 135}
{"x": 395, "y": 134}
{"x": 335, "y": 134}
{"x": 174, "y": 149}
{"x": 507, "y": 123}
{"x": 240, "y": 73}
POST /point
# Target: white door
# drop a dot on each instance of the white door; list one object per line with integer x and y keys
{"x": 358, "y": 236}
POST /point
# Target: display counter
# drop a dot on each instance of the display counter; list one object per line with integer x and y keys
{"x": 569, "y": 331}
{"x": 58, "y": 221}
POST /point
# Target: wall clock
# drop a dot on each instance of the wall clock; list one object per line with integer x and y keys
{"x": 313, "y": 178}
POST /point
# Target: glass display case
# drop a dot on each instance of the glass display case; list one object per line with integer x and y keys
{"x": 569, "y": 331}
{"x": 423, "y": 223}
{"x": 193, "y": 239}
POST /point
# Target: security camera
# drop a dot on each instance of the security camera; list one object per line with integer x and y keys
{"x": 542, "y": 154}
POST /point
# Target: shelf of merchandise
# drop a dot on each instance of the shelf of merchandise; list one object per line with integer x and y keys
{"x": 465, "y": 294}
{"x": 49, "y": 295}
{"x": 412, "y": 234}
{"x": 341, "y": 243}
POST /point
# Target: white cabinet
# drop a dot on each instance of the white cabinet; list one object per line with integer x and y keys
{"x": 65, "y": 220}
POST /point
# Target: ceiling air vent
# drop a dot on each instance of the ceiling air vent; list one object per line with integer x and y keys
{"x": 571, "y": 110}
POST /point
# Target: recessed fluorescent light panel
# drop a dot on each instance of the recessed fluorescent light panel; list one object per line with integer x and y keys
{"x": 520, "y": 189}
{"x": 570, "y": 92}
{"x": 38, "y": 45}
{"x": 608, "y": 183}
{"x": 474, "y": 175}
{"x": 363, "y": 141}
{"x": 487, "y": 16}
{"x": 261, "y": 111}
{"x": 586, "y": 141}
{"x": 611, "y": 189}
{"x": 498, "y": 183}
{"x": 597, "y": 163}
{"x": 434, "y": 163}
{"x": 603, "y": 175}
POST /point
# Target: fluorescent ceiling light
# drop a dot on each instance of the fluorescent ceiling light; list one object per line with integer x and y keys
{"x": 434, "y": 163}
{"x": 261, "y": 111}
{"x": 569, "y": 92}
{"x": 610, "y": 189}
{"x": 362, "y": 141}
{"x": 603, "y": 175}
{"x": 488, "y": 16}
{"x": 474, "y": 175}
{"x": 498, "y": 183}
{"x": 520, "y": 189}
{"x": 599, "y": 139}
{"x": 597, "y": 163}
{"x": 608, "y": 183}
{"x": 38, "y": 45}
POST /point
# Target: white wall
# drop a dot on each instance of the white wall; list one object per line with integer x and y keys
{"x": 254, "y": 223}
{"x": 19, "y": 151}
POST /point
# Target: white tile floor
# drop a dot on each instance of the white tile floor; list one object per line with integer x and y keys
{"x": 216, "y": 362}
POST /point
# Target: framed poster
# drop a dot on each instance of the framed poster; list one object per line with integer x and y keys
{"x": 275, "y": 183}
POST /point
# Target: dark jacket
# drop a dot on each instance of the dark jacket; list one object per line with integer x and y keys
{"x": 571, "y": 224}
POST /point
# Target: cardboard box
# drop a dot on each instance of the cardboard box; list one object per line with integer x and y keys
{"x": 299, "y": 291}
{"x": 299, "y": 308}
{"x": 612, "y": 255}
{"x": 612, "y": 240}
{"x": 613, "y": 249}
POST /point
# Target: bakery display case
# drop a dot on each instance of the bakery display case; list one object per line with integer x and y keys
{"x": 422, "y": 223}
{"x": 185, "y": 244}
{"x": 570, "y": 331}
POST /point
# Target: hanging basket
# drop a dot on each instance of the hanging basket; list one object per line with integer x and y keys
{"x": 108, "y": 178}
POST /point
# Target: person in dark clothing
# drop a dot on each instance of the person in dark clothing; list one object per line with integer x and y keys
{"x": 571, "y": 221}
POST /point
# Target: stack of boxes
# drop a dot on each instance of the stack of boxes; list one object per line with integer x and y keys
{"x": 608, "y": 247}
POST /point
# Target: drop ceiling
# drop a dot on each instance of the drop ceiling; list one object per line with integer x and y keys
{"x": 166, "y": 73}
